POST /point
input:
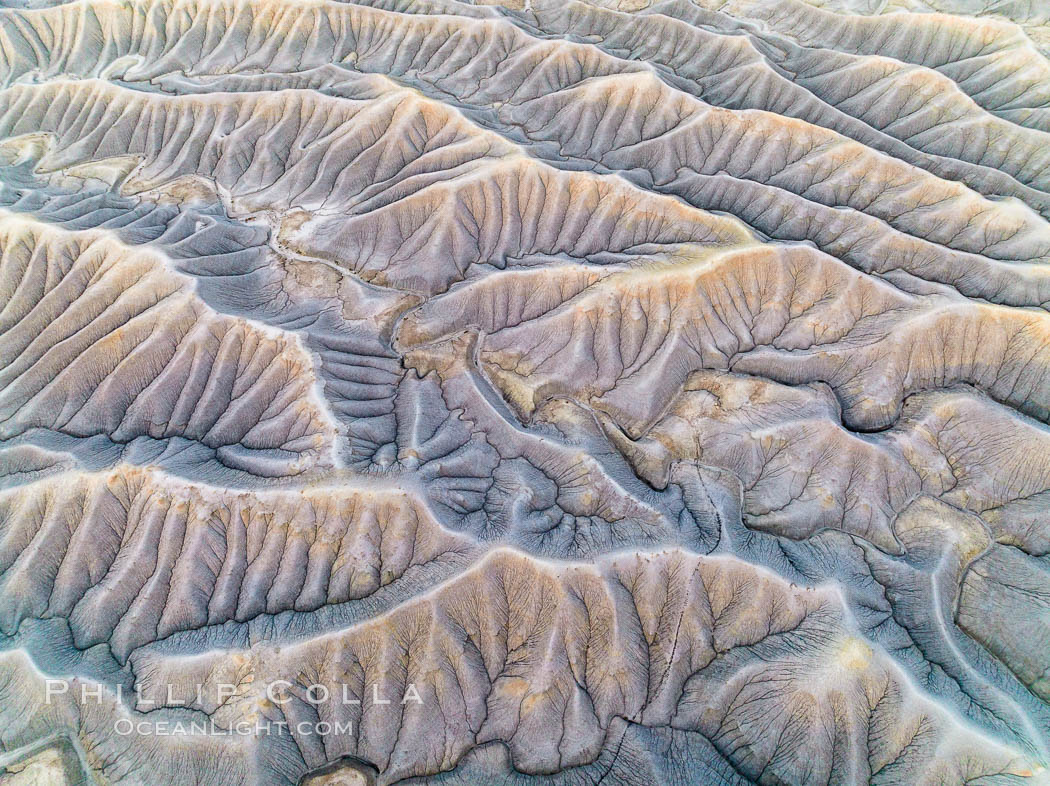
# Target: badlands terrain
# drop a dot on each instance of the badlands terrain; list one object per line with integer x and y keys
{"x": 555, "y": 393}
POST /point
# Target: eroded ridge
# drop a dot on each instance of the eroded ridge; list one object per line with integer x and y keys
{"x": 419, "y": 391}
